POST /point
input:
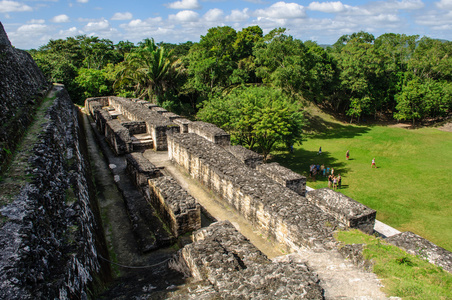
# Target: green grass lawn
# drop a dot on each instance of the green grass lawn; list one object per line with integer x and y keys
{"x": 409, "y": 189}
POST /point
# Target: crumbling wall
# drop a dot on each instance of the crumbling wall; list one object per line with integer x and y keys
{"x": 276, "y": 211}
{"x": 236, "y": 269}
{"x": 285, "y": 177}
{"x": 344, "y": 209}
{"x": 51, "y": 240}
{"x": 178, "y": 209}
{"x": 22, "y": 86}
{"x": 417, "y": 245}
{"x": 210, "y": 132}
{"x": 248, "y": 157}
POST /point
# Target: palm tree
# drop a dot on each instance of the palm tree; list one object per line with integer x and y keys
{"x": 147, "y": 69}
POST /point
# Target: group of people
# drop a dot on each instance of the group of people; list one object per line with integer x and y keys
{"x": 314, "y": 170}
{"x": 335, "y": 181}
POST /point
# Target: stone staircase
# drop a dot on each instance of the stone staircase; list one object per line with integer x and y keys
{"x": 142, "y": 141}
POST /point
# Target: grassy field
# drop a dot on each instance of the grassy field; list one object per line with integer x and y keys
{"x": 409, "y": 189}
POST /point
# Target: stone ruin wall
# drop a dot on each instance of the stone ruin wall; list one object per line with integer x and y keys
{"x": 236, "y": 269}
{"x": 118, "y": 134}
{"x": 275, "y": 210}
{"x": 22, "y": 86}
{"x": 52, "y": 239}
{"x": 285, "y": 177}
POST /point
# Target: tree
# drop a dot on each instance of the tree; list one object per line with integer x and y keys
{"x": 257, "y": 117}
{"x": 210, "y": 62}
{"x": 147, "y": 69}
{"x": 284, "y": 62}
{"x": 93, "y": 82}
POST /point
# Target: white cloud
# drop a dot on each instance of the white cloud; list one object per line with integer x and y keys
{"x": 32, "y": 28}
{"x": 97, "y": 26}
{"x": 60, "y": 19}
{"x": 184, "y": 4}
{"x": 238, "y": 16}
{"x": 213, "y": 15}
{"x": 397, "y": 5}
{"x": 73, "y": 31}
{"x": 122, "y": 16}
{"x": 282, "y": 10}
{"x": 36, "y": 21}
{"x": 82, "y": 1}
{"x": 184, "y": 16}
{"x": 444, "y": 4}
{"x": 328, "y": 7}
{"x": 7, "y": 6}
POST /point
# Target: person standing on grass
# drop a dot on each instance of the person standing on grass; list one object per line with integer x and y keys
{"x": 332, "y": 171}
{"x": 334, "y": 183}
{"x": 320, "y": 151}
{"x": 330, "y": 181}
{"x": 339, "y": 181}
{"x": 327, "y": 170}
{"x": 347, "y": 155}
{"x": 373, "y": 163}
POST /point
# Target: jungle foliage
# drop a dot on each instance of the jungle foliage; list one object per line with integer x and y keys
{"x": 360, "y": 76}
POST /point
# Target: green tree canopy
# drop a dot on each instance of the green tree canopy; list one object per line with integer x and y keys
{"x": 147, "y": 69}
{"x": 256, "y": 117}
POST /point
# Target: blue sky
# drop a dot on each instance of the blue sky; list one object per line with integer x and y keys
{"x": 32, "y": 23}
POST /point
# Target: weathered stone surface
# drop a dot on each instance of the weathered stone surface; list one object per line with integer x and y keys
{"x": 22, "y": 86}
{"x": 238, "y": 270}
{"x": 50, "y": 243}
{"x": 156, "y": 125}
{"x": 171, "y": 116}
{"x": 135, "y": 127}
{"x": 344, "y": 209}
{"x": 159, "y": 109}
{"x": 417, "y": 245}
{"x": 183, "y": 124}
{"x": 354, "y": 253}
{"x": 285, "y": 177}
{"x": 248, "y": 157}
{"x": 118, "y": 137}
{"x": 276, "y": 211}
{"x": 179, "y": 209}
{"x": 210, "y": 132}
{"x": 140, "y": 169}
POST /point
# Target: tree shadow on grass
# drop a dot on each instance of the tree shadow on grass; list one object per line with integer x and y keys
{"x": 321, "y": 129}
{"x": 300, "y": 160}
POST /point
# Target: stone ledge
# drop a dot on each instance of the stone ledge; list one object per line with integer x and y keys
{"x": 179, "y": 209}
{"x": 344, "y": 209}
{"x": 285, "y": 177}
{"x": 277, "y": 212}
{"x": 246, "y": 156}
{"x": 140, "y": 169}
{"x": 238, "y": 270}
{"x": 417, "y": 245}
{"x": 210, "y": 132}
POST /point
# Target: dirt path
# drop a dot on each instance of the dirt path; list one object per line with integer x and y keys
{"x": 339, "y": 278}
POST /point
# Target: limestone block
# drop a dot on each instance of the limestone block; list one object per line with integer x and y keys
{"x": 285, "y": 177}
{"x": 141, "y": 169}
{"x": 417, "y": 245}
{"x": 210, "y": 132}
{"x": 135, "y": 127}
{"x": 237, "y": 270}
{"x": 344, "y": 209}
{"x": 278, "y": 212}
{"x": 118, "y": 137}
{"x": 183, "y": 124}
{"x": 179, "y": 209}
{"x": 248, "y": 157}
